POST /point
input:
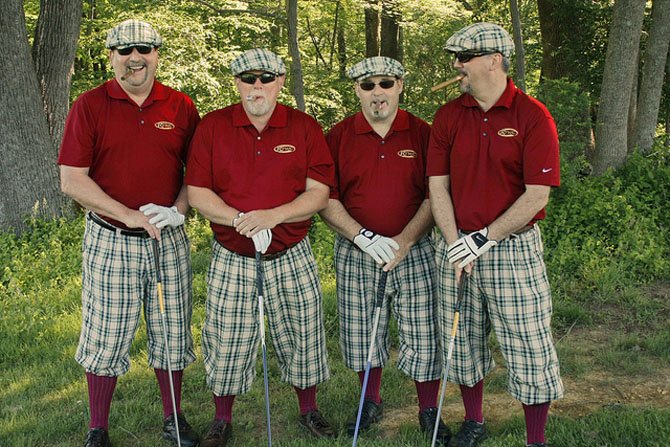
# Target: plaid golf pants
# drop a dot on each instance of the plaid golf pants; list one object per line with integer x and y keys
{"x": 292, "y": 303}
{"x": 410, "y": 296}
{"x": 118, "y": 281}
{"x": 508, "y": 291}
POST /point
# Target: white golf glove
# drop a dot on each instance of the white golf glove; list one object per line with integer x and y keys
{"x": 470, "y": 247}
{"x": 379, "y": 247}
{"x": 262, "y": 240}
{"x": 163, "y": 216}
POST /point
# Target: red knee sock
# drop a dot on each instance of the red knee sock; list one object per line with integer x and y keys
{"x": 224, "y": 407}
{"x": 473, "y": 398}
{"x": 306, "y": 399}
{"x": 427, "y": 393}
{"x": 536, "y": 421}
{"x": 100, "y": 392}
{"x": 372, "y": 392}
{"x": 164, "y": 385}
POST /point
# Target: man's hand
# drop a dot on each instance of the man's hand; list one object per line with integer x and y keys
{"x": 470, "y": 247}
{"x": 262, "y": 240}
{"x": 379, "y": 247}
{"x": 163, "y": 216}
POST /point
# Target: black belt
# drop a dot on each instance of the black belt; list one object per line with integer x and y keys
{"x": 107, "y": 226}
{"x": 265, "y": 257}
{"x": 516, "y": 233}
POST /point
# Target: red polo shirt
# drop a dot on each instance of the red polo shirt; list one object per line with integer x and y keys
{"x": 491, "y": 156}
{"x": 251, "y": 170}
{"x": 136, "y": 154}
{"x": 380, "y": 181}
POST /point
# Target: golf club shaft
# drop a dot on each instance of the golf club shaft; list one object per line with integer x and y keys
{"x": 261, "y": 325}
{"x": 450, "y": 351}
{"x": 378, "y": 308}
{"x": 161, "y": 305}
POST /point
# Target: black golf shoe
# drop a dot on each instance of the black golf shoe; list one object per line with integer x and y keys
{"x": 370, "y": 414}
{"x": 218, "y": 435}
{"x": 97, "y": 437}
{"x": 427, "y": 419}
{"x": 470, "y": 435}
{"x": 317, "y": 425}
{"x": 187, "y": 436}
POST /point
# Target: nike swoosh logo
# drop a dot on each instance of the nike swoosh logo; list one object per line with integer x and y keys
{"x": 545, "y": 170}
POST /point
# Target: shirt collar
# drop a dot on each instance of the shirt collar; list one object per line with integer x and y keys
{"x": 400, "y": 123}
{"x": 158, "y": 92}
{"x": 279, "y": 116}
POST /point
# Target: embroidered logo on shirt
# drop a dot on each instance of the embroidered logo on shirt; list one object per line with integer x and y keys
{"x": 508, "y": 132}
{"x": 284, "y": 149}
{"x": 407, "y": 153}
{"x": 164, "y": 125}
{"x": 545, "y": 170}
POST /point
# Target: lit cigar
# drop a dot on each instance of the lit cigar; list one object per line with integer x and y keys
{"x": 446, "y": 83}
{"x": 250, "y": 97}
{"x": 127, "y": 73}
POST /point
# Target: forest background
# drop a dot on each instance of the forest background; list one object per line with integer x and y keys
{"x": 600, "y": 67}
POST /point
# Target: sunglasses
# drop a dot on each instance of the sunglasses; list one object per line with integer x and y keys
{"x": 369, "y": 85}
{"x": 142, "y": 49}
{"x": 465, "y": 56}
{"x": 250, "y": 78}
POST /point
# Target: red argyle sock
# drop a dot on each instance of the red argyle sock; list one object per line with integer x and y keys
{"x": 536, "y": 421}
{"x": 427, "y": 393}
{"x": 164, "y": 385}
{"x": 372, "y": 392}
{"x": 100, "y": 392}
{"x": 224, "y": 407}
{"x": 306, "y": 399}
{"x": 473, "y": 398}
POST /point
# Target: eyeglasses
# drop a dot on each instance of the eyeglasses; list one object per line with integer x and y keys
{"x": 250, "y": 78}
{"x": 142, "y": 49}
{"x": 466, "y": 56}
{"x": 369, "y": 85}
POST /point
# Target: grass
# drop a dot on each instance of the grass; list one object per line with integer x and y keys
{"x": 623, "y": 336}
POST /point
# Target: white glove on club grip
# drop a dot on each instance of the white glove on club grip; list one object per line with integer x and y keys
{"x": 163, "y": 216}
{"x": 262, "y": 240}
{"x": 470, "y": 247}
{"x": 379, "y": 247}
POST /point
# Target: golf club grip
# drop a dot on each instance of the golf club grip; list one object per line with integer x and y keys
{"x": 461, "y": 288}
{"x": 157, "y": 262}
{"x": 259, "y": 273}
{"x": 381, "y": 288}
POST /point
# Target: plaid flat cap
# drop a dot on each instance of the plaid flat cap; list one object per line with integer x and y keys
{"x": 376, "y": 66}
{"x": 133, "y": 32}
{"x": 258, "y": 59}
{"x": 481, "y": 37}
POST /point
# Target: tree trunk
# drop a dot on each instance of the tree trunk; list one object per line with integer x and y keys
{"x": 28, "y": 172}
{"x": 372, "y": 28}
{"x": 653, "y": 71}
{"x": 611, "y": 124}
{"x": 390, "y": 31}
{"x": 341, "y": 52}
{"x": 520, "y": 79}
{"x": 297, "y": 84}
{"x": 54, "y": 48}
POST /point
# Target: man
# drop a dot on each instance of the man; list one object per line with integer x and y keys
{"x": 381, "y": 213}
{"x": 259, "y": 170}
{"x": 122, "y": 158}
{"x": 492, "y": 160}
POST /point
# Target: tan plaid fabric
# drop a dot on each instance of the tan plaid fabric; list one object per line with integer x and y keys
{"x": 376, "y": 66}
{"x": 119, "y": 280}
{"x": 292, "y": 301}
{"x": 481, "y": 37}
{"x": 258, "y": 59}
{"x": 133, "y": 32}
{"x": 508, "y": 292}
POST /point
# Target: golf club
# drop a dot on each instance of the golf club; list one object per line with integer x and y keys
{"x": 450, "y": 351}
{"x": 159, "y": 286}
{"x": 261, "y": 327}
{"x": 378, "y": 308}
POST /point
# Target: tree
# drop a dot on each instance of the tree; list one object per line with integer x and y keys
{"x": 391, "y": 31}
{"x": 371, "y": 9}
{"x": 520, "y": 73}
{"x": 653, "y": 72}
{"x": 620, "y": 67}
{"x": 28, "y": 171}
{"x": 297, "y": 85}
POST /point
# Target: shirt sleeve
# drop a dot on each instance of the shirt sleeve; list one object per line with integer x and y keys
{"x": 199, "y": 165}
{"x": 439, "y": 146}
{"x": 78, "y": 142}
{"x": 333, "y": 141}
{"x": 541, "y": 160}
{"x": 320, "y": 164}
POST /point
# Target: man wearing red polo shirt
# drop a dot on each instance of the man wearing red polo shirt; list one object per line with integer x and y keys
{"x": 381, "y": 212}
{"x": 259, "y": 170}
{"x": 492, "y": 160}
{"x": 122, "y": 158}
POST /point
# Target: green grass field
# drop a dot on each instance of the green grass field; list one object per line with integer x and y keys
{"x": 615, "y": 358}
